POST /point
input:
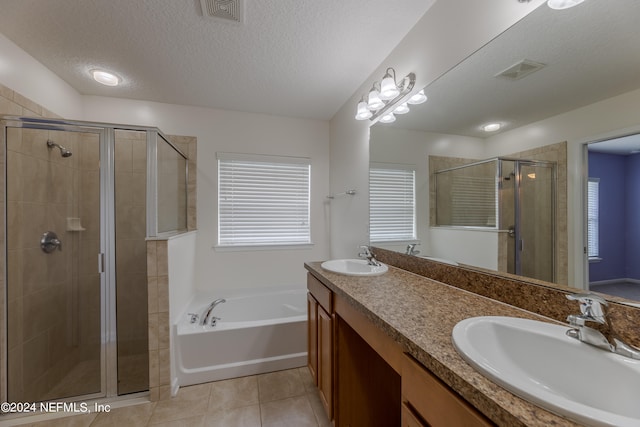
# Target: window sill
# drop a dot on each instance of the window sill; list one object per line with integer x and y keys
{"x": 268, "y": 247}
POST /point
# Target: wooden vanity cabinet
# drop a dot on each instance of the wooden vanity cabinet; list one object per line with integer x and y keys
{"x": 364, "y": 377}
{"x": 428, "y": 402}
{"x": 320, "y": 335}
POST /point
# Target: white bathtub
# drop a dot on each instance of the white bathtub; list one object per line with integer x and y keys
{"x": 259, "y": 332}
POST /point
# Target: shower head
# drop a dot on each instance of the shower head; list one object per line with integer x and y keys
{"x": 63, "y": 151}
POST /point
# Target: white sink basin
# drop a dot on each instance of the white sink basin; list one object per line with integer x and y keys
{"x": 540, "y": 363}
{"x": 354, "y": 267}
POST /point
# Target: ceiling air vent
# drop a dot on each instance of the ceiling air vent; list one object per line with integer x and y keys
{"x": 229, "y": 10}
{"x": 520, "y": 69}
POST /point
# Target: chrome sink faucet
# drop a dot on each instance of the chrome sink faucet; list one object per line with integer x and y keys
{"x": 207, "y": 312}
{"x": 366, "y": 253}
{"x": 594, "y": 310}
{"x": 411, "y": 249}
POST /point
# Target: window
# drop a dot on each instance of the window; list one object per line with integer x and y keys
{"x": 263, "y": 200}
{"x": 392, "y": 214}
{"x": 593, "y": 196}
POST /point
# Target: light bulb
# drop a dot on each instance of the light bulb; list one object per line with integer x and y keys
{"x": 363, "y": 113}
{"x": 375, "y": 103}
{"x": 418, "y": 98}
{"x": 388, "y": 88}
{"x": 401, "y": 109}
{"x": 105, "y": 78}
{"x": 491, "y": 127}
{"x": 388, "y": 118}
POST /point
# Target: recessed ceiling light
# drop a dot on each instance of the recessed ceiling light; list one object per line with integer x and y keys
{"x": 105, "y": 78}
{"x": 491, "y": 127}
{"x": 563, "y": 4}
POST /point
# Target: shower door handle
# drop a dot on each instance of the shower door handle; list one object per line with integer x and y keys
{"x": 50, "y": 242}
{"x": 101, "y": 263}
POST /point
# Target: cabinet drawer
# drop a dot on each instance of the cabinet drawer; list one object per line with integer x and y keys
{"x": 410, "y": 420}
{"x": 435, "y": 401}
{"x": 320, "y": 292}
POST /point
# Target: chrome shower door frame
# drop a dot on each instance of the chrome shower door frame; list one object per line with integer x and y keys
{"x": 106, "y": 258}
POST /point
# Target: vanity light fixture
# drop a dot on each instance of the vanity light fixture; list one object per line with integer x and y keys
{"x": 401, "y": 109}
{"x": 418, "y": 98}
{"x": 363, "y": 112}
{"x": 105, "y": 78}
{"x": 563, "y": 4}
{"x": 491, "y": 127}
{"x": 388, "y": 98}
{"x": 388, "y": 118}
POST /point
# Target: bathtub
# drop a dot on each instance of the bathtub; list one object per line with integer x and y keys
{"x": 259, "y": 332}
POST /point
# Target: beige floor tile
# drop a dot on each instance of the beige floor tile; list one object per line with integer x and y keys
{"x": 195, "y": 421}
{"x": 247, "y": 416}
{"x": 179, "y": 408}
{"x": 280, "y": 385}
{"x": 291, "y": 412}
{"x": 83, "y": 420}
{"x": 307, "y": 379}
{"x": 194, "y": 392}
{"x": 233, "y": 393}
{"x": 137, "y": 415}
{"x": 318, "y": 409}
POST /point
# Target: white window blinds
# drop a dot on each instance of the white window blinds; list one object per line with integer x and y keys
{"x": 392, "y": 214}
{"x": 593, "y": 217}
{"x": 263, "y": 200}
{"x": 473, "y": 201}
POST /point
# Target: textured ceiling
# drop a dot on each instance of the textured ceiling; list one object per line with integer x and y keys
{"x": 299, "y": 58}
{"x": 591, "y": 52}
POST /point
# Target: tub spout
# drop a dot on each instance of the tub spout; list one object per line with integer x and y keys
{"x": 207, "y": 312}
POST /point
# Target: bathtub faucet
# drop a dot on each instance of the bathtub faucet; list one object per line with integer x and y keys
{"x": 208, "y": 311}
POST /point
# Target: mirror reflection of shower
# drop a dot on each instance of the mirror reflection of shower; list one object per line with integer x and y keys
{"x": 64, "y": 152}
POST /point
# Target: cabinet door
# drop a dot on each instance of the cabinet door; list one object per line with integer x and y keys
{"x": 312, "y": 337}
{"x": 325, "y": 360}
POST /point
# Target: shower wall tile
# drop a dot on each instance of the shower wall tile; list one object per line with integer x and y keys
{"x": 162, "y": 261}
{"x": 164, "y": 366}
{"x": 152, "y": 294}
{"x": 152, "y": 265}
{"x": 8, "y": 107}
{"x": 163, "y": 330}
{"x": 159, "y": 322}
{"x": 153, "y": 331}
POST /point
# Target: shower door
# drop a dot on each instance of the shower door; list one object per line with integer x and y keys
{"x": 535, "y": 210}
{"x": 56, "y": 293}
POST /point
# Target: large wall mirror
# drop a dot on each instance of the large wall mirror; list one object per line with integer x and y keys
{"x": 550, "y": 65}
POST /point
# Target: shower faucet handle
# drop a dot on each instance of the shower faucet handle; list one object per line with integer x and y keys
{"x": 49, "y": 242}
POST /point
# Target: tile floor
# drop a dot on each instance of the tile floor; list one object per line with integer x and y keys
{"x": 277, "y": 399}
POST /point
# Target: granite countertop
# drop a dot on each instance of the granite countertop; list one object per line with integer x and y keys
{"x": 419, "y": 314}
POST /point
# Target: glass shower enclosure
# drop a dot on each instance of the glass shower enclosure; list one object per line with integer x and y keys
{"x": 80, "y": 200}
{"x": 514, "y": 197}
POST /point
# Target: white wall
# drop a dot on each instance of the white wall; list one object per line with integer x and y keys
{"x": 22, "y": 73}
{"x": 181, "y": 251}
{"x": 448, "y": 32}
{"x": 605, "y": 119}
{"x": 230, "y": 131}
